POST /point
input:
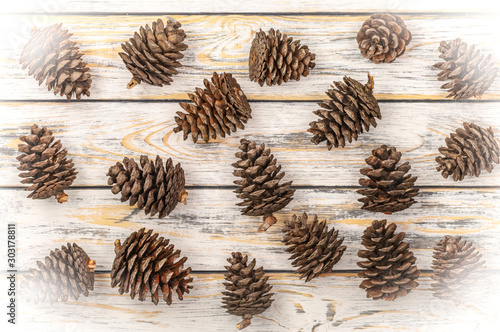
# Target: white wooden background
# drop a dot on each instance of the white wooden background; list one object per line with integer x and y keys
{"x": 115, "y": 122}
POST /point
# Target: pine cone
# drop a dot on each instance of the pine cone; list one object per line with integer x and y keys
{"x": 314, "y": 248}
{"x": 154, "y": 187}
{"x": 220, "y": 108}
{"x": 276, "y": 58}
{"x": 351, "y": 107}
{"x": 390, "y": 267}
{"x": 383, "y": 37}
{"x": 153, "y": 55}
{"x": 66, "y": 272}
{"x": 470, "y": 73}
{"x": 48, "y": 170}
{"x": 389, "y": 188}
{"x": 468, "y": 151}
{"x": 259, "y": 187}
{"x": 456, "y": 267}
{"x": 52, "y": 57}
{"x": 247, "y": 291}
{"x": 146, "y": 263}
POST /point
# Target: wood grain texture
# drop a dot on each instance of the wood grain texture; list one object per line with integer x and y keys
{"x": 210, "y": 227}
{"x": 331, "y": 303}
{"x": 260, "y": 6}
{"x": 99, "y": 134}
{"x": 222, "y": 43}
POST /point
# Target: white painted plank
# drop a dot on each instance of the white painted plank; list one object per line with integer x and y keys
{"x": 210, "y": 227}
{"x": 99, "y": 134}
{"x": 260, "y": 6}
{"x": 330, "y": 303}
{"x": 222, "y": 43}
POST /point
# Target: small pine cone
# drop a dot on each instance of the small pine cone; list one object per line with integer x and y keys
{"x": 390, "y": 266}
{"x": 152, "y": 54}
{"x": 247, "y": 291}
{"x": 467, "y": 152}
{"x": 388, "y": 187}
{"x": 259, "y": 187}
{"x": 456, "y": 267}
{"x": 154, "y": 187}
{"x": 470, "y": 72}
{"x": 145, "y": 263}
{"x": 276, "y": 58}
{"x": 220, "y": 108}
{"x": 52, "y": 57}
{"x": 383, "y": 37}
{"x": 351, "y": 107}
{"x": 48, "y": 169}
{"x": 66, "y": 272}
{"x": 315, "y": 249}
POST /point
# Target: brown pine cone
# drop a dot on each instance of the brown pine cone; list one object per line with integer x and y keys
{"x": 152, "y": 54}
{"x": 48, "y": 169}
{"x": 52, "y": 57}
{"x": 470, "y": 72}
{"x": 154, "y": 187}
{"x": 467, "y": 152}
{"x": 66, "y": 272}
{"x": 247, "y": 291}
{"x": 220, "y": 108}
{"x": 390, "y": 266}
{"x": 315, "y": 249}
{"x": 259, "y": 187}
{"x": 456, "y": 267}
{"x": 145, "y": 263}
{"x": 351, "y": 107}
{"x": 388, "y": 187}
{"x": 383, "y": 37}
{"x": 276, "y": 58}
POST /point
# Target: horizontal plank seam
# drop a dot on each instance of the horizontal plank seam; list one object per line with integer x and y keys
{"x": 305, "y": 13}
{"x": 303, "y": 187}
{"x": 167, "y": 100}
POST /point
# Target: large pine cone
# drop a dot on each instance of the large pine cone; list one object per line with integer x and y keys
{"x": 351, "y": 107}
{"x": 388, "y": 187}
{"x": 390, "y": 266}
{"x": 470, "y": 72}
{"x": 48, "y": 169}
{"x": 276, "y": 58}
{"x": 154, "y": 187}
{"x": 456, "y": 267}
{"x": 315, "y": 249}
{"x": 220, "y": 108}
{"x": 259, "y": 187}
{"x": 52, "y": 57}
{"x": 66, "y": 272}
{"x": 247, "y": 291}
{"x": 383, "y": 37}
{"x": 146, "y": 263}
{"x": 153, "y": 55}
{"x": 467, "y": 152}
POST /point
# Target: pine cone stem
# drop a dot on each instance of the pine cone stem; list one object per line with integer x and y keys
{"x": 62, "y": 197}
{"x": 371, "y": 83}
{"x": 133, "y": 82}
{"x": 268, "y": 222}
{"x": 118, "y": 245}
{"x": 245, "y": 322}
{"x": 91, "y": 264}
{"x": 183, "y": 197}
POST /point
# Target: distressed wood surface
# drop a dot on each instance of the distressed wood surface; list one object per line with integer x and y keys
{"x": 99, "y": 134}
{"x": 331, "y": 303}
{"x": 210, "y": 226}
{"x": 222, "y": 43}
{"x": 257, "y": 6}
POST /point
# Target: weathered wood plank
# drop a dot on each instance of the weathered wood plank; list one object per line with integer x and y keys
{"x": 101, "y": 133}
{"x": 210, "y": 227}
{"x": 222, "y": 43}
{"x": 333, "y": 302}
{"x": 261, "y": 6}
